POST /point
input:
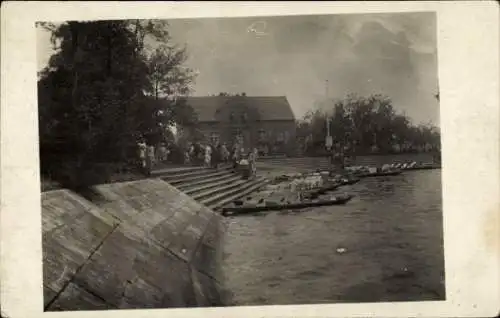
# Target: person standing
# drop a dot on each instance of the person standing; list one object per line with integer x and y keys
{"x": 235, "y": 157}
{"x": 191, "y": 153}
{"x": 201, "y": 153}
{"x": 224, "y": 153}
{"x": 252, "y": 159}
{"x": 215, "y": 159}
{"x": 187, "y": 157}
{"x": 195, "y": 153}
{"x": 208, "y": 155}
{"x": 142, "y": 148}
{"x": 241, "y": 153}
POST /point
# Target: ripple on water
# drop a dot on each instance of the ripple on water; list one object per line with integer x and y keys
{"x": 391, "y": 224}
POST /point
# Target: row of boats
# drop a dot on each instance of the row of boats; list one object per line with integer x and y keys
{"x": 389, "y": 170}
{"x": 315, "y": 197}
{"x": 309, "y": 198}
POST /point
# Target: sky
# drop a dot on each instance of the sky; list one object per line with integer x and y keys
{"x": 307, "y": 58}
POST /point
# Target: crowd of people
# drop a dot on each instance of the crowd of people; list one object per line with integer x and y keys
{"x": 149, "y": 155}
{"x": 197, "y": 153}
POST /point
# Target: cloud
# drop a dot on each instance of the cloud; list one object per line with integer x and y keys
{"x": 361, "y": 54}
{"x": 392, "y": 54}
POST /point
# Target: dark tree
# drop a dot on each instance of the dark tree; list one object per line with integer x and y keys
{"x": 368, "y": 125}
{"x": 93, "y": 102}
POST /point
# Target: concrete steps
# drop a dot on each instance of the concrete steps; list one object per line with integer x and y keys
{"x": 216, "y": 190}
{"x": 197, "y": 177}
{"x": 209, "y": 186}
{"x": 234, "y": 193}
{"x": 166, "y": 172}
{"x": 207, "y": 183}
{"x": 256, "y": 186}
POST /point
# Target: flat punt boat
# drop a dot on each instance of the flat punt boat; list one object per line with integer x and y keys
{"x": 380, "y": 174}
{"x": 289, "y": 206}
{"x": 329, "y": 186}
{"x": 424, "y": 167}
{"x": 351, "y": 181}
{"x": 325, "y": 188}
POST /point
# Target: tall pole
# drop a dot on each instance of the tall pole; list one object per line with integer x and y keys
{"x": 329, "y": 139}
{"x": 326, "y": 89}
{"x": 327, "y": 119}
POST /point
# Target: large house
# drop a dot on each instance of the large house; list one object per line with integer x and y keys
{"x": 266, "y": 123}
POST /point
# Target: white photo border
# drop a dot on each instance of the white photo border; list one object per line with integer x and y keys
{"x": 468, "y": 56}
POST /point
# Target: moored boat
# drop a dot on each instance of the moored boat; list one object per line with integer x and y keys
{"x": 288, "y": 206}
{"x": 425, "y": 167}
{"x": 380, "y": 174}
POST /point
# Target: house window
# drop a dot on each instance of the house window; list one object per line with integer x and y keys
{"x": 244, "y": 117}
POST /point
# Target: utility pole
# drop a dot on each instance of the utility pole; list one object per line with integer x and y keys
{"x": 328, "y": 137}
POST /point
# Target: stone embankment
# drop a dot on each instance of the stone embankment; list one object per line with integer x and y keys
{"x": 140, "y": 244}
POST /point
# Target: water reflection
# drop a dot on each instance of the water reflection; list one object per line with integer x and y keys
{"x": 390, "y": 236}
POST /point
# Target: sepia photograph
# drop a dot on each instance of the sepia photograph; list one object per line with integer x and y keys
{"x": 249, "y": 159}
{"x": 240, "y": 161}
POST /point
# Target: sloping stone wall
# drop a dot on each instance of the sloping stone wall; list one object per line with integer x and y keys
{"x": 144, "y": 244}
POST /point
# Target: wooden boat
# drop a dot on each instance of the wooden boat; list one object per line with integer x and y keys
{"x": 351, "y": 181}
{"x": 288, "y": 206}
{"x": 380, "y": 174}
{"x": 330, "y": 186}
{"x": 424, "y": 167}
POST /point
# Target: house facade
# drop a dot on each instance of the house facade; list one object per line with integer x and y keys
{"x": 266, "y": 123}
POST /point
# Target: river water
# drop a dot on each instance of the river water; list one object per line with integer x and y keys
{"x": 384, "y": 245}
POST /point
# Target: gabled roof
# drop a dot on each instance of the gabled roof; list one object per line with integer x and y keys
{"x": 269, "y": 107}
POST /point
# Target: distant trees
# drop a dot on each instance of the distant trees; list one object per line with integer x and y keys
{"x": 366, "y": 125}
{"x": 229, "y": 94}
{"x": 99, "y": 92}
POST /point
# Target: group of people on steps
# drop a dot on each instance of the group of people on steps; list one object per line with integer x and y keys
{"x": 199, "y": 154}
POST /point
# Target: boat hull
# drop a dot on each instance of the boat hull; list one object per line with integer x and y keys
{"x": 298, "y": 205}
{"x": 379, "y": 174}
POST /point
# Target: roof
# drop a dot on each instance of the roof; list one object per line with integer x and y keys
{"x": 269, "y": 107}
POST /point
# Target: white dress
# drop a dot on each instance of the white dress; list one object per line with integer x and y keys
{"x": 208, "y": 153}
{"x": 142, "y": 153}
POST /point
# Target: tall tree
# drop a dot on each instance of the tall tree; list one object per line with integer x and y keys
{"x": 166, "y": 72}
{"x": 91, "y": 95}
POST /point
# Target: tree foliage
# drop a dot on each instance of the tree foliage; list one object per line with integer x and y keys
{"x": 166, "y": 73}
{"x": 367, "y": 125}
{"x": 94, "y": 95}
